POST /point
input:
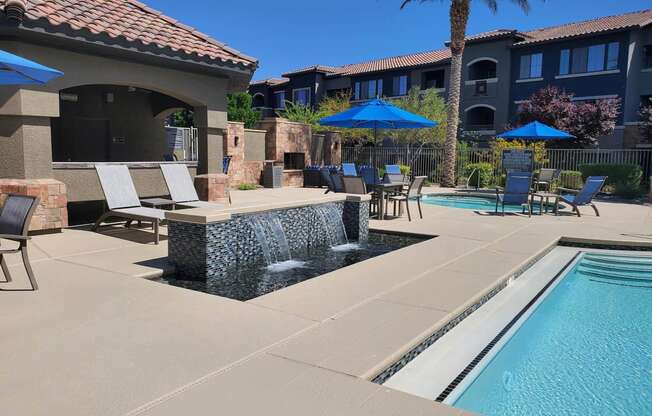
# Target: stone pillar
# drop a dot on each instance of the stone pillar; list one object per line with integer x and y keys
{"x": 234, "y": 146}
{"x": 332, "y": 148}
{"x": 356, "y": 217}
{"x": 26, "y": 153}
{"x": 210, "y": 182}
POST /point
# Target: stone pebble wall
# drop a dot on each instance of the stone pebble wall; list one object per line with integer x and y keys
{"x": 52, "y": 212}
{"x": 199, "y": 251}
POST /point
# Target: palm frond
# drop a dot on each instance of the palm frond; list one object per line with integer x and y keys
{"x": 523, "y": 4}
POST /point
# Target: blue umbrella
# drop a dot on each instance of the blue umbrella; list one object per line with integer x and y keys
{"x": 536, "y": 131}
{"x": 15, "y": 70}
{"x": 377, "y": 114}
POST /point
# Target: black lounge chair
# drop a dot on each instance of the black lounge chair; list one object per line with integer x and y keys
{"x": 15, "y": 217}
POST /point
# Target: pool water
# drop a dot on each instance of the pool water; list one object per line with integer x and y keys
{"x": 248, "y": 282}
{"x": 471, "y": 202}
{"x": 586, "y": 349}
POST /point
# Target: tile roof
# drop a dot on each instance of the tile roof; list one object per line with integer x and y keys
{"x": 603, "y": 24}
{"x": 395, "y": 62}
{"x": 270, "y": 81}
{"x": 492, "y": 34}
{"x": 316, "y": 68}
{"x": 132, "y": 21}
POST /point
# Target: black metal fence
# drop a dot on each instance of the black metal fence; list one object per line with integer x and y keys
{"x": 427, "y": 161}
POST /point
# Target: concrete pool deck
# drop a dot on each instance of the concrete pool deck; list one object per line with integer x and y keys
{"x": 99, "y": 339}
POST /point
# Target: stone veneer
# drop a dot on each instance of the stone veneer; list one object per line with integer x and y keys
{"x": 213, "y": 187}
{"x": 52, "y": 212}
{"x": 201, "y": 248}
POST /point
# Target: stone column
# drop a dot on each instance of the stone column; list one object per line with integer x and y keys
{"x": 211, "y": 183}
{"x": 356, "y": 217}
{"x": 332, "y": 148}
{"x": 26, "y": 153}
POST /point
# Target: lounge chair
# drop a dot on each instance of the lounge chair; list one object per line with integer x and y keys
{"x": 348, "y": 169}
{"x": 393, "y": 169}
{"x": 516, "y": 192}
{"x": 546, "y": 178}
{"x": 182, "y": 191}
{"x": 413, "y": 192}
{"x": 326, "y": 178}
{"x": 585, "y": 196}
{"x": 369, "y": 175}
{"x": 122, "y": 199}
{"x": 15, "y": 217}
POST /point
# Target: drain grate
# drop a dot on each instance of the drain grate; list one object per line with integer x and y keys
{"x": 462, "y": 375}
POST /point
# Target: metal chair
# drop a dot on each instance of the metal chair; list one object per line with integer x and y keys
{"x": 14, "y": 225}
{"x": 354, "y": 185}
{"x": 369, "y": 175}
{"x": 393, "y": 169}
{"x": 585, "y": 196}
{"x": 516, "y": 192}
{"x": 546, "y": 178}
{"x": 413, "y": 192}
{"x": 349, "y": 169}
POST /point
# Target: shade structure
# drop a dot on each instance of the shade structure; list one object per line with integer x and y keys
{"x": 536, "y": 131}
{"x": 15, "y": 70}
{"x": 377, "y": 114}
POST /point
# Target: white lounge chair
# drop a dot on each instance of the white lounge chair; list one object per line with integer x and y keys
{"x": 182, "y": 191}
{"x": 122, "y": 198}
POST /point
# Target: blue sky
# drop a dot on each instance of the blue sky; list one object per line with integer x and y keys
{"x": 290, "y": 34}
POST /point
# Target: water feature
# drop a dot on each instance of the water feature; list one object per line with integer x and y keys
{"x": 332, "y": 224}
{"x": 271, "y": 237}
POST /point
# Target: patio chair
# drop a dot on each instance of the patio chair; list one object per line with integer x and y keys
{"x": 585, "y": 196}
{"x": 348, "y": 169}
{"x": 354, "y": 185}
{"x": 393, "y": 169}
{"x": 326, "y": 178}
{"x": 413, "y": 192}
{"x": 182, "y": 191}
{"x": 516, "y": 191}
{"x": 122, "y": 199}
{"x": 336, "y": 179}
{"x": 15, "y": 217}
{"x": 546, "y": 178}
{"x": 369, "y": 175}
{"x": 393, "y": 178}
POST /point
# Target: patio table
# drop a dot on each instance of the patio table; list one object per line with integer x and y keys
{"x": 545, "y": 196}
{"x": 381, "y": 189}
{"x": 157, "y": 202}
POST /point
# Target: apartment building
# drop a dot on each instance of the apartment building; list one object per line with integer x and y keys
{"x": 608, "y": 57}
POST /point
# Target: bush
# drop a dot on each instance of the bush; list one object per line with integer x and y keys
{"x": 405, "y": 170}
{"x": 622, "y": 179}
{"x": 571, "y": 179}
{"x": 247, "y": 186}
{"x": 479, "y": 174}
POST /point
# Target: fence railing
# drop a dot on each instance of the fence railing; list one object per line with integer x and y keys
{"x": 427, "y": 161}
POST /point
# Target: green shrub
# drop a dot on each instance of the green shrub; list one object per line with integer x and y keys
{"x": 479, "y": 174}
{"x": 622, "y": 179}
{"x": 247, "y": 186}
{"x": 405, "y": 169}
{"x": 571, "y": 179}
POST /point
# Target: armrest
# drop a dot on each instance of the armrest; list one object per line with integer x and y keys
{"x": 572, "y": 191}
{"x": 15, "y": 237}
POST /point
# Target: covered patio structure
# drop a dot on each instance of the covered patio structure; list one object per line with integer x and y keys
{"x": 126, "y": 69}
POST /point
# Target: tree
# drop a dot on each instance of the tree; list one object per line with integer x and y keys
{"x": 587, "y": 121}
{"x": 182, "y": 118}
{"x": 459, "y": 15}
{"x": 238, "y": 108}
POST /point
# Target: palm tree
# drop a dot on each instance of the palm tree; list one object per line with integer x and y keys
{"x": 459, "y": 16}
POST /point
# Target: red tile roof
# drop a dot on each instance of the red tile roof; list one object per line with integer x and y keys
{"x": 395, "y": 62}
{"x": 132, "y": 21}
{"x": 270, "y": 81}
{"x": 317, "y": 68}
{"x": 603, "y": 24}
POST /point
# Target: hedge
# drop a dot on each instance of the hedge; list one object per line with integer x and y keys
{"x": 571, "y": 179}
{"x": 622, "y": 179}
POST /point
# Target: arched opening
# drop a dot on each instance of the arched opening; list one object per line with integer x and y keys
{"x": 480, "y": 117}
{"x": 113, "y": 123}
{"x": 484, "y": 68}
{"x": 258, "y": 100}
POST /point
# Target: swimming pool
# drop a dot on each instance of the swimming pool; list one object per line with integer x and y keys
{"x": 585, "y": 349}
{"x": 476, "y": 203}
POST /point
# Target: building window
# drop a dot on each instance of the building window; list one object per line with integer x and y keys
{"x": 647, "y": 56}
{"x": 594, "y": 58}
{"x": 646, "y": 100}
{"x": 356, "y": 91}
{"x": 366, "y": 90}
{"x": 531, "y": 66}
{"x": 371, "y": 89}
{"x": 482, "y": 69}
{"x": 480, "y": 118}
{"x": 433, "y": 79}
{"x": 279, "y": 99}
{"x": 400, "y": 86}
{"x": 301, "y": 96}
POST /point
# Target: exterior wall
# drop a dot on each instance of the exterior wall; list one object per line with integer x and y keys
{"x": 52, "y": 212}
{"x": 581, "y": 86}
{"x": 254, "y": 145}
{"x": 285, "y": 136}
{"x": 639, "y": 83}
{"x": 242, "y": 169}
{"x": 497, "y": 89}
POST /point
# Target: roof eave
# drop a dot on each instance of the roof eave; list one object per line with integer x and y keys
{"x": 526, "y": 43}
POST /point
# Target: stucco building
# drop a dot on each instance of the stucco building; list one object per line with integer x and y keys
{"x": 126, "y": 68}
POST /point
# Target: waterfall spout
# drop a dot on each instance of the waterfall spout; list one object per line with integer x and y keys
{"x": 270, "y": 236}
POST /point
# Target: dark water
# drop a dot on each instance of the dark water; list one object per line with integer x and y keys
{"x": 251, "y": 281}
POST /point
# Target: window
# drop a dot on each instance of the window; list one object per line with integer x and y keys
{"x": 564, "y": 62}
{"x": 301, "y": 96}
{"x": 647, "y": 56}
{"x": 356, "y": 91}
{"x": 366, "y": 90}
{"x": 371, "y": 89}
{"x": 433, "y": 79}
{"x": 485, "y": 68}
{"x": 646, "y": 100}
{"x": 594, "y": 58}
{"x": 379, "y": 91}
{"x": 400, "y": 85}
{"x": 279, "y": 99}
{"x": 531, "y": 66}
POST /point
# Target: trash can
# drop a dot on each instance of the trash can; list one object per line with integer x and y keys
{"x": 272, "y": 174}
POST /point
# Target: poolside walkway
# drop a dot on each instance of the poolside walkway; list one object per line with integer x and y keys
{"x": 99, "y": 339}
